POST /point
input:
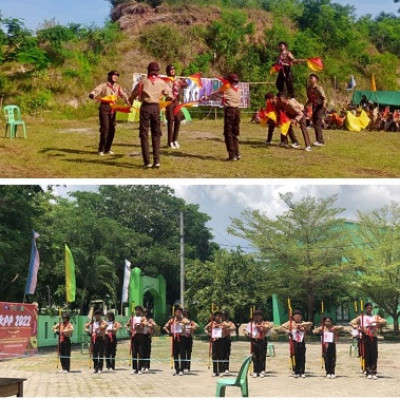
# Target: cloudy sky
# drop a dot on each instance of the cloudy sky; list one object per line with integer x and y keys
{"x": 34, "y": 12}
{"x": 222, "y": 202}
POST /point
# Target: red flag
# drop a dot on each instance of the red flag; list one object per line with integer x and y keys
{"x": 315, "y": 64}
{"x": 196, "y": 79}
{"x": 284, "y": 123}
{"x": 225, "y": 84}
{"x": 275, "y": 68}
{"x": 187, "y": 105}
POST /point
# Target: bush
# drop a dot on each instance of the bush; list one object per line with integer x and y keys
{"x": 34, "y": 103}
{"x": 163, "y": 42}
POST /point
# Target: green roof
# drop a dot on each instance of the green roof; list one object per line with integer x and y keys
{"x": 381, "y": 98}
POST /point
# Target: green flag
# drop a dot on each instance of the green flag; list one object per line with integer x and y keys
{"x": 70, "y": 283}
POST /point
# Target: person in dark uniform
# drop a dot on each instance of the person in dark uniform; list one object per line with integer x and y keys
{"x": 65, "y": 331}
{"x": 317, "y": 99}
{"x": 174, "y": 121}
{"x": 190, "y": 328}
{"x": 176, "y": 327}
{"x": 298, "y": 331}
{"x": 330, "y": 335}
{"x": 149, "y": 91}
{"x": 106, "y": 113}
{"x": 111, "y": 340}
{"x": 136, "y": 327}
{"x": 285, "y": 76}
{"x": 295, "y": 111}
{"x": 229, "y": 327}
{"x": 148, "y": 332}
{"x": 97, "y": 331}
{"x": 256, "y": 330}
{"x": 216, "y": 330}
{"x": 368, "y": 325}
{"x": 271, "y": 107}
{"x": 231, "y": 101}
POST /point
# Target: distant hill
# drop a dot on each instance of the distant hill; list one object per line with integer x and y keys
{"x": 57, "y": 66}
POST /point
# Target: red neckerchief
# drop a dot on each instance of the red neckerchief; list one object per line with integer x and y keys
{"x": 270, "y": 107}
{"x": 153, "y": 78}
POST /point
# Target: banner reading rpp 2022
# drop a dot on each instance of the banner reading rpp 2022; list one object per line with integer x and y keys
{"x": 18, "y": 330}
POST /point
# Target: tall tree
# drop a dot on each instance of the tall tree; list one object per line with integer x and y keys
{"x": 17, "y": 215}
{"x": 377, "y": 258}
{"x": 232, "y": 281}
{"x": 302, "y": 249}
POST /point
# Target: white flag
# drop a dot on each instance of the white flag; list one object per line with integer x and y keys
{"x": 125, "y": 286}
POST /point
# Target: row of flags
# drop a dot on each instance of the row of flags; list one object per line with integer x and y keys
{"x": 70, "y": 279}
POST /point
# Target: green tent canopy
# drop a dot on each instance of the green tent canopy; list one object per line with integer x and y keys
{"x": 381, "y": 98}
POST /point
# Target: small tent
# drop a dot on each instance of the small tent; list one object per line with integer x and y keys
{"x": 381, "y": 98}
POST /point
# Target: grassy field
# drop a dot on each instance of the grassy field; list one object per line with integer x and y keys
{"x": 68, "y": 149}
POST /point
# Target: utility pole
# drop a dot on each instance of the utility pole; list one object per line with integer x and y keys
{"x": 182, "y": 259}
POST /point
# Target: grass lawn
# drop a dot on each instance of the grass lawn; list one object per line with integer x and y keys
{"x": 68, "y": 149}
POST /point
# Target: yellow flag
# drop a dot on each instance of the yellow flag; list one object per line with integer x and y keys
{"x": 373, "y": 83}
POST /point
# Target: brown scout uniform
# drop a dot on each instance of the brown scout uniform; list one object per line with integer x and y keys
{"x": 106, "y": 114}
{"x": 316, "y": 97}
{"x": 149, "y": 91}
{"x": 294, "y": 110}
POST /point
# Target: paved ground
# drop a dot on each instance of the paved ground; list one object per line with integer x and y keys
{"x": 44, "y": 380}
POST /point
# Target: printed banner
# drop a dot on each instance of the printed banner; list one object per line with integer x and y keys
{"x": 18, "y": 330}
{"x": 193, "y": 93}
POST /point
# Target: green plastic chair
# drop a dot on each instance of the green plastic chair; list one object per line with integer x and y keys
{"x": 240, "y": 381}
{"x": 13, "y": 120}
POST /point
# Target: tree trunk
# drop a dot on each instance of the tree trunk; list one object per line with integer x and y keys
{"x": 396, "y": 324}
{"x": 310, "y": 306}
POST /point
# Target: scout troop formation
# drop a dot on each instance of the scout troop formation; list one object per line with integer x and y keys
{"x": 151, "y": 89}
{"x": 219, "y": 330}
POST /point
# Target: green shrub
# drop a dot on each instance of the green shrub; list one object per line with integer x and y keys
{"x": 163, "y": 42}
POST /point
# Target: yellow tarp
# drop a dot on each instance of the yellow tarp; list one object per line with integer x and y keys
{"x": 357, "y": 124}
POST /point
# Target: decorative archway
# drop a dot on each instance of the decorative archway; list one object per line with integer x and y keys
{"x": 141, "y": 284}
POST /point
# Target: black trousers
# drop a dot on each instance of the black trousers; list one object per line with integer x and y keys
{"x": 371, "y": 354}
{"x": 188, "y": 353}
{"x": 138, "y": 351}
{"x": 330, "y": 358}
{"x": 173, "y": 122}
{"x": 227, "y": 352}
{"x": 317, "y": 115}
{"x": 98, "y": 353}
{"x": 300, "y": 357}
{"x": 179, "y": 352}
{"x": 285, "y": 77}
{"x": 107, "y": 127}
{"x": 147, "y": 350}
{"x": 111, "y": 351}
{"x": 232, "y": 130}
{"x": 218, "y": 355}
{"x": 150, "y": 119}
{"x": 65, "y": 354}
{"x": 259, "y": 348}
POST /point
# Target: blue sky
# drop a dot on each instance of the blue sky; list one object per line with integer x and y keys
{"x": 35, "y": 12}
{"x": 228, "y": 200}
